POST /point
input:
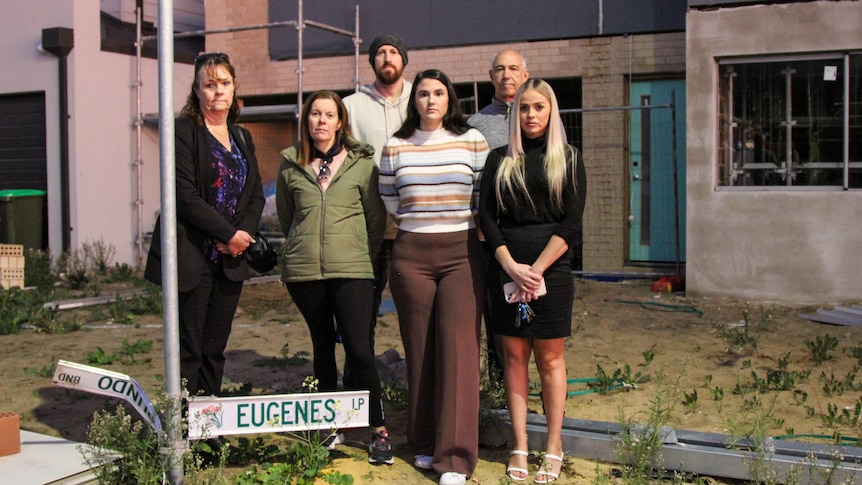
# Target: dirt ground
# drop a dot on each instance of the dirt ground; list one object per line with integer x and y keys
{"x": 616, "y": 326}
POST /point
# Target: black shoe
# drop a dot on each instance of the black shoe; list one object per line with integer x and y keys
{"x": 380, "y": 449}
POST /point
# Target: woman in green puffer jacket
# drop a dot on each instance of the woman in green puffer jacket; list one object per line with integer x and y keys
{"x": 333, "y": 221}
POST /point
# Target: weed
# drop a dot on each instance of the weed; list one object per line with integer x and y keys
{"x": 19, "y": 307}
{"x": 604, "y": 383}
{"x": 717, "y": 393}
{"x": 99, "y": 357}
{"x": 116, "y": 432}
{"x": 254, "y": 450}
{"x": 633, "y": 379}
{"x": 304, "y": 463}
{"x": 744, "y": 334}
{"x": 73, "y": 269}
{"x": 690, "y": 399}
{"x": 40, "y": 272}
{"x": 44, "y": 371}
{"x": 820, "y": 348}
{"x": 648, "y": 355}
{"x": 707, "y": 380}
{"x": 640, "y": 445}
{"x": 749, "y": 432}
{"x": 124, "y": 311}
{"x": 139, "y": 347}
{"x": 99, "y": 254}
{"x": 855, "y": 352}
{"x": 121, "y": 272}
{"x": 831, "y": 385}
{"x": 395, "y": 394}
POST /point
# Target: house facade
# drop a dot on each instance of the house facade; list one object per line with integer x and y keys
{"x": 774, "y": 150}
{"x": 717, "y": 144}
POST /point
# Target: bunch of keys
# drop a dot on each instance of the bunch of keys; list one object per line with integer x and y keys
{"x": 524, "y": 316}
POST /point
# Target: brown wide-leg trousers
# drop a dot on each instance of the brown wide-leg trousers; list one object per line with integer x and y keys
{"x": 438, "y": 285}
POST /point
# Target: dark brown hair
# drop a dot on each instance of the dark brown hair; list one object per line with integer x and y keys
{"x": 206, "y": 63}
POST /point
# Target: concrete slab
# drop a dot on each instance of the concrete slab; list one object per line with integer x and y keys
{"x": 45, "y": 460}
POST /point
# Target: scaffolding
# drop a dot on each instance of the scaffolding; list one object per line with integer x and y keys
{"x": 301, "y": 23}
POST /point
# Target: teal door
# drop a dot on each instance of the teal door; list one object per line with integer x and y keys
{"x": 656, "y": 211}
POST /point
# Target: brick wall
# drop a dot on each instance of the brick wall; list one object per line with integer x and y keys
{"x": 604, "y": 64}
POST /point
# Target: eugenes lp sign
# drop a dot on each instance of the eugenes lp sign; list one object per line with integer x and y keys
{"x": 212, "y": 416}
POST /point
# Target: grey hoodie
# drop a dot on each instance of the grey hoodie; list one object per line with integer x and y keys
{"x": 373, "y": 118}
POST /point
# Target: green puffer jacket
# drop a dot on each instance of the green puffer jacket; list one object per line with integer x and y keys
{"x": 332, "y": 234}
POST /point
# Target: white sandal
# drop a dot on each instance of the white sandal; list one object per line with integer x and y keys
{"x": 517, "y": 470}
{"x": 545, "y": 469}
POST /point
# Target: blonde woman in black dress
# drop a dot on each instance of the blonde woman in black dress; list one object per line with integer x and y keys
{"x": 531, "y": 203}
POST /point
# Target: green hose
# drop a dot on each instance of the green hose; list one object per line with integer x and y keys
{"x": 664, "y": 307}
{"x": 843, "y": 440}
{"x": 619, "y": 383}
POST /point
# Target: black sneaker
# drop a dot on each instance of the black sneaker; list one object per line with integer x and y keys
{"x": 380, "y": 450}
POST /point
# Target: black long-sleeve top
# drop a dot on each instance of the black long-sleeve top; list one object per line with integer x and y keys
{"x": 519, "y": 213}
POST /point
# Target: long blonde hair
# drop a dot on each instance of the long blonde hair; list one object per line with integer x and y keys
{"x": 510, "y": 175}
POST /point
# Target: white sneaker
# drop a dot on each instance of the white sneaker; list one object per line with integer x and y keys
{"x": 424, "y": 462}
{"x": 453, "y": 478}
{"x": 333, "y": 440}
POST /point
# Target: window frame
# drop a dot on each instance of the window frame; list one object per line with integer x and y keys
{"x": 725, "y": 156}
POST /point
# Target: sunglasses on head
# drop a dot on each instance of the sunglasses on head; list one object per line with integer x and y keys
{"x": 211, "y": 55}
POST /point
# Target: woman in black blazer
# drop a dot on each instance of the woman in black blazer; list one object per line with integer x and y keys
{"x": 219, "y": 203}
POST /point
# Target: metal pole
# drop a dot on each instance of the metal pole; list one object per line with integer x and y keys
{"x": 300, "y": 27}
{"x": 168, "y": 241}
{"x": 139, "y": 121}
{"x": 356, "y": 41}
{"x": 675, "y": 180}
{"x": 846, "y": 148}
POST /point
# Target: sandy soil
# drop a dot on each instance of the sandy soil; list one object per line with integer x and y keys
{"x": 617, "y": 326}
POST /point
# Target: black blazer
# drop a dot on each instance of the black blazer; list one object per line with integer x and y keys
{"x": 196, "y": 219}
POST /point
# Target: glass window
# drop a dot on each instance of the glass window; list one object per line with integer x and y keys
{"x": 791, "y": 122}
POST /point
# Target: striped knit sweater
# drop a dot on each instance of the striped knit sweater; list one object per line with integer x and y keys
{"x": 430, "y": 181}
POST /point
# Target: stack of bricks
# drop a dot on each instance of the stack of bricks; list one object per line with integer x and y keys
{"x": 11, "y": 265}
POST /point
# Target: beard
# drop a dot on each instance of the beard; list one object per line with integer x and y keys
{"x": 389, "y": 76}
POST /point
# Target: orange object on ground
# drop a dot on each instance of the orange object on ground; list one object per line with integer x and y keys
{"x": 669, "y": 284}
{"x": 10, "y": 434}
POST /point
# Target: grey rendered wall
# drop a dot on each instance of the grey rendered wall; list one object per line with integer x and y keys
{"x": 779, "y": 246}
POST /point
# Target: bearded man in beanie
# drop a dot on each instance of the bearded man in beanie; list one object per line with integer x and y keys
{"x": 378, "y": 109}
{"x": 376, "y": 112}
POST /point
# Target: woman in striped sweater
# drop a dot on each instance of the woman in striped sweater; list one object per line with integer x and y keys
{"x": 429, "y": 179}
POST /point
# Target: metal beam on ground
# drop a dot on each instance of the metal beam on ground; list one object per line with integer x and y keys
{"x": 710, "y": 454}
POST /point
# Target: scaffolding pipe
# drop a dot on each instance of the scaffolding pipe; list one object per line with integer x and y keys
{"x": 300, "y": 28}
{"x": 139, "y": 121}
{"x": 356, "y": 42}
{"x": 197, "y": 33}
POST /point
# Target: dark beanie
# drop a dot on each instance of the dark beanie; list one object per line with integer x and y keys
{"x": 387, "y": 39}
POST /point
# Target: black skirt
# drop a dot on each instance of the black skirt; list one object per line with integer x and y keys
{"x": 553, "y": 312}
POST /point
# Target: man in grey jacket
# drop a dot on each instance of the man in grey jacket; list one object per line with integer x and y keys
{"x": 508, "y": 72}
